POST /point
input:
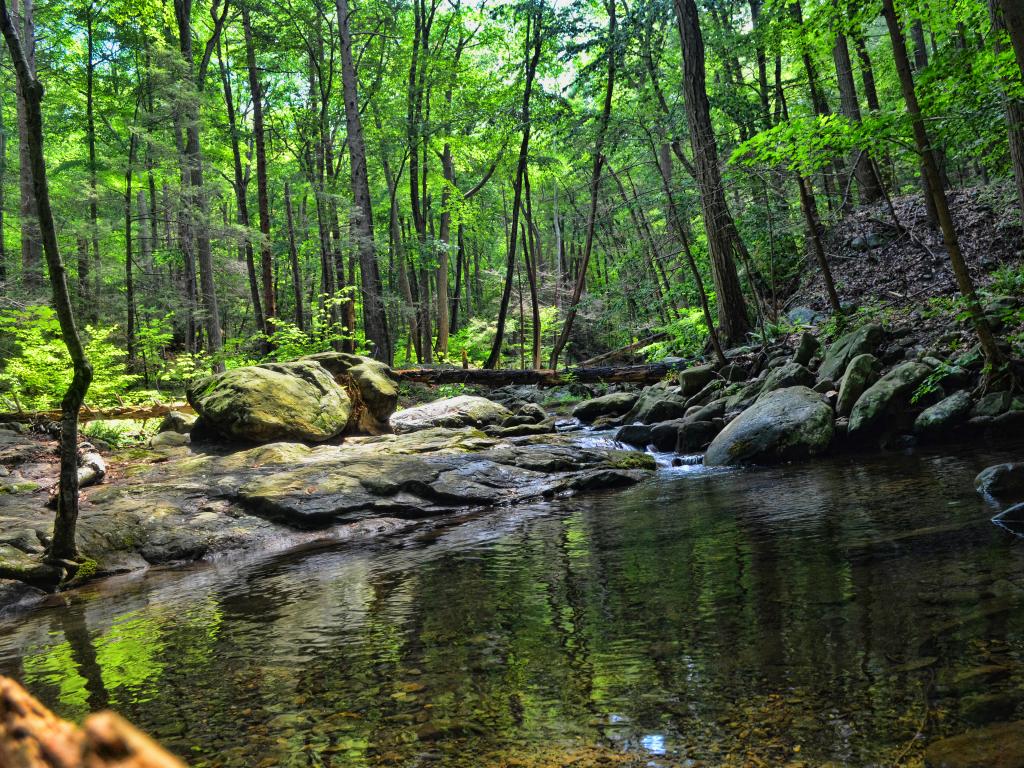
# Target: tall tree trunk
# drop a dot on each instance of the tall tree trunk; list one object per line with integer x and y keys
{"x": 63, "y": 546}
{"x": 129, "y": 256}
{"x": 1013, "y": 13}
{"x": 91, "y": 293}
{"x": 850, "y": 107}
{"x": 241, "y": 197}
{"x": 810, "y": 211}
{"x": 1014, "y": 108}
{"x": 3, "y": 187}
{"x": 531, "y": 254}
{"x": 723, "y": 239}
{"x": 993, "y": 357}
{"x": 534, "y": 44}
{"x": 31, "y": 250}
{"x": 293, "y": 258}
{"x": 595, "y": 184}
{"x": 196, "y": 198}
{"x": 262, "y": 191}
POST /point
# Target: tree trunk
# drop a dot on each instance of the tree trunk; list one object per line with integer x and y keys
{"x": 993, "y": 357}
{"x": 723, "y": 239}
{"x": 91, "y": 294}
{"x": 129, "y": 255}
{"x": 810, "y": 210}
{"x": 850, "y": 107}
{"x": 31, "y": 251}
{"x": 262, "y": 192}
{"x": 595, "y": 183}
{"x": 63, "y": 546}
{"x": 1013, "y": 13}
{"x": 293, "y": 258}
{"x": 1014, "y": 107}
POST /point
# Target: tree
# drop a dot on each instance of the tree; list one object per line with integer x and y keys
{"x": 63, "y": 547}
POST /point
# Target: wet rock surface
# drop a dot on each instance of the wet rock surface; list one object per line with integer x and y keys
{"x": 452, "y": 412}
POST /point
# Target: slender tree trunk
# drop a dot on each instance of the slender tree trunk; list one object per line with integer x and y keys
{"x": 262, "y": 191}
{"x": 63, "y": 545}
{"x": 31, "y": 251}
{"x": 1013, "y": 106}
{"x": 129, "y": 256}
{"x": 1013, "y": 14}
{"x": 850, "y": 107}
{"x": 293, "y": 258}
{"x": 531, "y": 256}
{"x": 810, "y": 210}
{"x": 3, "y": 188}
{"x": 993, "y": 357}
{"x": 723, "y": 239}
{"x": 534, "y": 45}
{"x": 91, "y": 294}
{"x": 595, "y": 184}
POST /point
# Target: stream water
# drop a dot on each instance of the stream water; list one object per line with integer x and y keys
{"x": 817, "y": 613}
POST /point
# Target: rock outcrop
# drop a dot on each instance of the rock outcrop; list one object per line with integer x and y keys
{"x": 452, "y": 412}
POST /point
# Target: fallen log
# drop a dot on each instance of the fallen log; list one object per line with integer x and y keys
{"x": 629, "y": 374}
{"x": 31, "y": 736}
{"x": 138, "y": 413}
{"x": 629, "y": 348}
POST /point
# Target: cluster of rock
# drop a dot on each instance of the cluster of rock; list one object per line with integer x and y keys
{"x": 778, "y": 404}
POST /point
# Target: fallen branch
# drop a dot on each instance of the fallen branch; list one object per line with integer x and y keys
{"x": 138, "y": 413}
{"x": 623, "y": 350}
{"x": 629, "y": 374}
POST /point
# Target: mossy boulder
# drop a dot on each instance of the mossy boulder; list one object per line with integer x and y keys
{"x": 614, "y": 404}
{"x": 299, "y": 400}
{"x": 785, "y": 424}
{"x": 846, "y": 347}
{"x": 889, "y": 393}
{"x": 369, "y": 385}
{"x": 945, "y": 413}
{"x": 789, "y": 375}
{"x": 453, "y": 412}
{"x": 860, "y": 374}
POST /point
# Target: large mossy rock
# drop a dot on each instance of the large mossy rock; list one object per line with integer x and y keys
{"x": 461, "y": 411}
{"x": 785, "y": 424}
{"x": 860, "y": 374}
{"x": 614, "y": 404}
{"x": 888, "y": 393}
{"x": 369, "y": 385}
{"x": 944, "y": 414}
{"x": 847, "y": 347}
{"x": 299, "y": 400}
{"x": 692, "y": 380}
{"x": 788, "y": 375}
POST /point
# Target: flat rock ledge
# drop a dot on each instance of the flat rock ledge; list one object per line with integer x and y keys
{"x": 175, "y": 504}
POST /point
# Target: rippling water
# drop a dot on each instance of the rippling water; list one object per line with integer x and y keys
{"x": 808, "y": 614}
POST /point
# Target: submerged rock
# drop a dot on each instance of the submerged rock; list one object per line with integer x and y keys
{"x": 275, "y": 401}
{"x": 614, "y": 404}
{"x": 1002, "y": 481}
{"x": 996, "y": 746}
{"x": 452, "y": 412}
{"x": 785, "y": 424}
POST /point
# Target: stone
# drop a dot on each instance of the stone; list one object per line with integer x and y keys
{"x": 789, "y": 375}
{"x": 995, "y": 746}
{"x": 824, "y": 386}
{"x": 714, "y": 410}
{"x": 299, "y": 400}
{"x": 694, "y": 379}
{"x": 452, "y": 412}
{"x": 176, "y": 421}
{"x": 169, "y": 440}
{"x": 945, "y": 413}
{"x": 993, "y": 404}
{"x": 663, "y": 435}
{"x": 1001, "y": 481}
{"x": 638, "y": 435}
{"x": 804, "y": 316}
{"x": 845, "y": 348}
{"x": 696, "y": 435}
{"x": 806, "y": 350}
{"x": 607, "y": 405}
{"x": 788, "y": 423}
{"x": 369, "y": 385}
{"x": 656, "y": 404}
{"x": 889, "y": 392}
{"x": 860, "y": 374}
{"x": 664, "y": 410}
{"x": 733, "y": 372}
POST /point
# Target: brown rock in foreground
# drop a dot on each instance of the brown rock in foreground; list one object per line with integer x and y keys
{"x": 996, "y": 746}
{"x": 31, "y": 736}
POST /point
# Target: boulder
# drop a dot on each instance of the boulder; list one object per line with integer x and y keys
{"x": 733, "y": 372}
{"x": 996, "y": 746}
{"x": 787, "y": 423}
{"x": 637, "y": 435}
{"x": 860, "y": 374}
{"x": 664, "y": 435}
{"x": 806, "y": 350}
{"x": 461, "y": 411}
{"x": 890, "y": 391}
{"x": 696, "y": 435}
{"x": 693, "y": 380}
{"x": 945, "y": 413}
{"x": 993, "y": 404}
{"x": 789, "y": 375}
{"x": 656, "y": 404}
{"x": 847, "y": 347}
{"x": 176, "y": 421}
{"x": 369, "y": 385}
{"x": 1002, "y": 481}
{"x": 805, "y": 316}
{"x": 299, "y": 400}
{"x": 607, "y": 405}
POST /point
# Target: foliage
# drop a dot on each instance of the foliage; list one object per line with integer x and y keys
{"x": 686, "y": 337}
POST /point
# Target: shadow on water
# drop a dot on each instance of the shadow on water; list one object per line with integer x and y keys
{"x": 817, "y": 612}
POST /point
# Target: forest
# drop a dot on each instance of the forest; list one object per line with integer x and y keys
{"x": 511, "y": 383}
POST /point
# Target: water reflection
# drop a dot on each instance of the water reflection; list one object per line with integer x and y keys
{"x": 814, "y": 613}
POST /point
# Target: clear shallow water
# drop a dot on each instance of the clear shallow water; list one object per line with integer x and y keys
{"x": 810, "y": 614}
